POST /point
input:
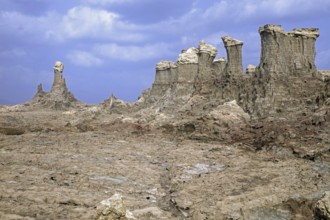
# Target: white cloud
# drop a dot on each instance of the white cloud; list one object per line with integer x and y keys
{"x": 84, "y": 59}
{"x": 87, "y": 22}
{"x": 84, "y": 21}
{"x": 241, "y": 10}
{"x": 133, "y": 53}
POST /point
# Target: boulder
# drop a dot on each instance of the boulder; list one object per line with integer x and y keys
{"x": 113, "y": 208}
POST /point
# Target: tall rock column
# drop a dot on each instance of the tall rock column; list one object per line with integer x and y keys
{"x": 206, "y": 55}
{"x": 303, "y": 43}
{"x": 234, "y": 55}
{"x": 59, "y": 98}
{"x": 288, "y": 54}
{"x": 187, "y": 63}
{"x": 166, "y": 75}
{"x": 59, "y": 85}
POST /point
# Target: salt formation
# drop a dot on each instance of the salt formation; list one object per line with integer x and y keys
{"x": 285, "y": 81}
{"x": 59, "y": 96}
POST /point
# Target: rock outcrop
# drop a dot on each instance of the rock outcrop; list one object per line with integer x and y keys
{"x": 59, "y": 97}
{"x": 285, "y": 82}
{"x": 234, "y": 55}
{"x": 180, "y": 79}
{"x": 291, "y": 53}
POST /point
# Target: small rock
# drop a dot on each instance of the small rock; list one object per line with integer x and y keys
{"x": 113, "y": 208}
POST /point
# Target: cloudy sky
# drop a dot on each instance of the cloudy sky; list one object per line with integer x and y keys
{"x": 112, "y": 46}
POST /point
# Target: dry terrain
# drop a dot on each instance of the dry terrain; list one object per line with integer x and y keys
{"x": 60, "y": 165}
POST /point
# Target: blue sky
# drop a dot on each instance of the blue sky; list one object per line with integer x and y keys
{"x": 112, "y": 46}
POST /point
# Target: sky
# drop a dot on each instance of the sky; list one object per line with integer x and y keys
{"x": 112, "y": 46}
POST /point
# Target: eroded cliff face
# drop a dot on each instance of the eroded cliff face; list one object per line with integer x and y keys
{"x": 178, "y": 80}
{"x": 285, "y": 81}
{"x": 287, "y": 53}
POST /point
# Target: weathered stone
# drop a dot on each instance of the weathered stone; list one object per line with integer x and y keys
{"x": 322, "y": 209}
{"x": 284, "y": 83}
{"x": 290, "y": 53}
{"x": 113, "y": 102}
{"x": 59, "y": 84}
{"x": 234, "y": 55}
{"x": 219, "y": 66}
{"x": 113, "y": 208}
{"x": 40, "y": 92}
{"x": 207, "y": 48}
{"x": 165, "y": 73}
{"x": 59, "y": 97}
{"x": 307, "y": 32}
{"x": 188, "y": 56}
{"x": 206, "y": 57}
{"x": 164, "y": 65}
{"x": 250, "y": 69}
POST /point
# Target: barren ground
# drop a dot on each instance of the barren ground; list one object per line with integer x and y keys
{"x": 50, "y": 170}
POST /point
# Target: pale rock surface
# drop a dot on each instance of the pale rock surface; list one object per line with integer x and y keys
{"x": 324, "y": 75}
{"x": 188, "y": 56}
{"x": 229, "y": 41}
{"x": 230, "y": 112}
{"x": 113, "y": 208}
{"x": 308, "y": 32}
{"x": 250, "y": 69}
{"x": 221, "y": 59}
{"x": 58, "y": 66}
{"x": 272, "y": 27}
{"x": 323, "y": 207}
{"x": 234, "y": 55}
{"x": 164, "y": 64}
{"x": 207, "y": 48}
{"x": 291, "y": 53}
{"x": 59, "y": 98}
{"x": 113, "y": 102}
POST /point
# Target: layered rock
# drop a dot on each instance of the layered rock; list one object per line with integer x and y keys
{"x": 59, "y": 85}
{"x": 291, "y": 53}
{"x": 193, "y": 66}
{"x": 234, "y": 55}
{"x": 206, "y": 55}
{"x": 166, "y": 74}
{"x": 219, "y": 66}
{"x": 285, "y": 81}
